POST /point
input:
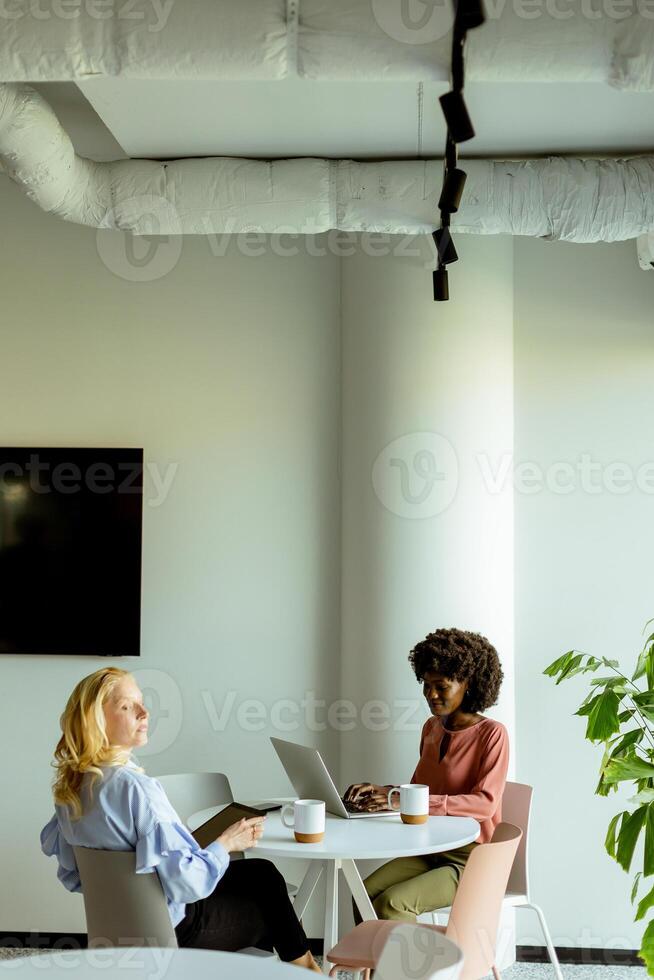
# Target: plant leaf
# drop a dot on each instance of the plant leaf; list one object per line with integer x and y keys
{"x": 648, "y": 859}
{"x": 610, "y": 842}
{"x": 571, "y": 668}
{"x": 628, "y": 835}
{"x": 643, "y": 657}
{"x": 627, "y": 741}
{"x": 609, "y": 682}
{"x": 588, "y": 704}
{"x": 559, "y": 664}
{"x": 603, "y": 717}
{"x": 644, "y": 796}
{"x": 645, "y": 905}
{"x": 569, "y": 664}
{"x": 646, "y": 951}
{"x": 617, "y": 770}
{"x": 634, "y": 890}
{"x": 645, "y": 702}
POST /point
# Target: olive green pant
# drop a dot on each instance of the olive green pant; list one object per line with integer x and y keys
{"x": 408, "y": 886}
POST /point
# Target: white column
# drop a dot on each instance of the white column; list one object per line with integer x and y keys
{"x": 427, "y": 538}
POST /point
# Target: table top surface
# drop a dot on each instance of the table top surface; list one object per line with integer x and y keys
{"x": 170, "y": 964}
{"x": 368, "y": 837}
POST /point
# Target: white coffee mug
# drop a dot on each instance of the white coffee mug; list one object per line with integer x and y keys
{"x": 414, "y": 802}
{"x": 307, "y": 819}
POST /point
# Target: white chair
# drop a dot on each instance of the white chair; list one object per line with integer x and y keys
{"x": 516, "y": 809}
{"x": 123, "y": 908}
{"x": 190, "y": 792}
{"x": 415, "y": 953}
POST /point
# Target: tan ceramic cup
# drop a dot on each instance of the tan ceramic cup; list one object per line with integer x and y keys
{"x": 414, "y": 802}
{"x": 307, "y": 820}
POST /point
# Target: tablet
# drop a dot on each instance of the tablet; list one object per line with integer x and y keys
{"x": 216, "y": 825}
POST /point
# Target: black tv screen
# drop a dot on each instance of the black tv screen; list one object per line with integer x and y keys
{"x": 70, "y": 551}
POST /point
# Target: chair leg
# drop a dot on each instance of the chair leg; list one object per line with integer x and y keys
{"x": 334, "y": 970}
{"x": 496, "y": 972}
{"x": 548, "y": 940}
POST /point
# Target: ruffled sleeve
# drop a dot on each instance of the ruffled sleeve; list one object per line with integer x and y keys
{"x": 187, "y": 871}
{"x": 54, "y": 843}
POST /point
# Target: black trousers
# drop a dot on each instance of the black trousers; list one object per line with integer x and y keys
{"x": 248, "y": 907}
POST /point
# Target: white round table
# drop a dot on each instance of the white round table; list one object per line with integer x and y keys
{"x": 155, "y": 964}
{"x": 377, "y": 838}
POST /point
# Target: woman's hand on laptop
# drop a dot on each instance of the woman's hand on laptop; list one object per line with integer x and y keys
{"x": 243, "y": 835}
{"x": 368, "y": 797}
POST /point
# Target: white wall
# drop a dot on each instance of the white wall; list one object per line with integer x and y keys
{"x": 424, "y": 384}
{"x": 584, "y": 350}
{"x": 228, "y": 367}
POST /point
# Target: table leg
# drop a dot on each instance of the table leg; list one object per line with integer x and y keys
{"x": 307, "y": 888}
{"x": 331, "y": 910}
{"x": 358, "y": 889}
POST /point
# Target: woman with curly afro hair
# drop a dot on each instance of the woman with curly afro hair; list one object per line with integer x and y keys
{"x": 464, "y": 758}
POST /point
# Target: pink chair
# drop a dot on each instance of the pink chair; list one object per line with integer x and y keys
{"x": 516, "y": 809}
{"x": 415, "y": 953}
{"x": 473, "y": 921}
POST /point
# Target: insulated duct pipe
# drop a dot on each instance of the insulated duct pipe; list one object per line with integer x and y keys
{"x": 558, "y": 198}
{"x": 370, "y": 40}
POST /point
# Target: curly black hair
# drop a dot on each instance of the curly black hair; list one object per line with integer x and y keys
{"x": 462, "y": 656}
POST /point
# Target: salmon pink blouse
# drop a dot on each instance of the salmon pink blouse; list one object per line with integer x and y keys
{"x": 469, "y": 780}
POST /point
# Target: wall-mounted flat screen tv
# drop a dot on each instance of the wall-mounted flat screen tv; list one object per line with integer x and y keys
{"x": 70, "y": 551}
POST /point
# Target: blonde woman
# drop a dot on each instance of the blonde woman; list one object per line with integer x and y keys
{"x": 103, "y": 799}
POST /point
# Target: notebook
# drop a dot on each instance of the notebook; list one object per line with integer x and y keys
{"x": 216, "y": 825}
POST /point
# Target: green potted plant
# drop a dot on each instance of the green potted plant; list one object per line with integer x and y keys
{"x": 620, "y": 715}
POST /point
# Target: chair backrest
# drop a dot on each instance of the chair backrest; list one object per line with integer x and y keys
{"x": 475, "y": 915}
{"x": 516, "y": 809}
{"x": 192, "y": 791}
{"x": 122, "y": 908}
{"x": 418, "y": 953}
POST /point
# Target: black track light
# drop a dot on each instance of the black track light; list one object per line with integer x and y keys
{"x": 469, "y": 14}
{"x": 444, "y": 246}
{"x": 441, "y": 290}
{"x": 453, "y": 185}
{"x": 456, "y": 116}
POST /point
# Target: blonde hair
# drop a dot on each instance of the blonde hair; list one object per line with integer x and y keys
{"x": 84, "y": 745}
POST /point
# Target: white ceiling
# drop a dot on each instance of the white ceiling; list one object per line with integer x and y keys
{"x": 172, "y": 119}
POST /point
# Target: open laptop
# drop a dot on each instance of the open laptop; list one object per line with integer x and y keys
{"x": 311, "y": 780}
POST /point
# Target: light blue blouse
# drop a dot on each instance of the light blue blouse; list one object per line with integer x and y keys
{"x": 130, "y": 811}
